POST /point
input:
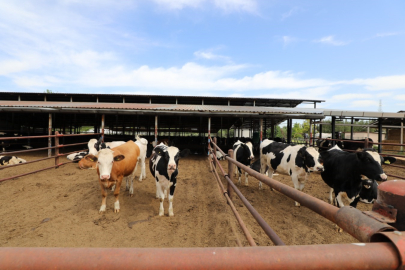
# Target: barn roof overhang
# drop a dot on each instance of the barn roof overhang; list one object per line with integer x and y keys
{"x": 160, "y": 109}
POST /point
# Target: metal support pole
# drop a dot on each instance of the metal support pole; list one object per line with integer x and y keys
{"x": 351, "y": 129}
{"x": 320, "y": 131}
{"x": 272, "y": 130}
{"x": 231, "y": 168}
{"x": 102, "y": 125}
{"x": 261, "y": 130}
{"x": 214, "y": 155}
{"x": 49, "y": 133}
{"x": 289, "y": 130}
{"x": 156, "y": 129}
{"x": 333, "y": 130}
{"x": 401, "y": 139}
{"x": 310, "y": 132}
{"x": 56, "y": 149}
{"x": 379, "y": 134}
{"x": 209, "y": 131}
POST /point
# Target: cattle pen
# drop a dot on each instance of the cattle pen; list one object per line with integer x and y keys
{"x": 57, "y": 226}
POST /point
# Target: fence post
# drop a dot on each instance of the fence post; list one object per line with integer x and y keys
{"x": 56, "y": 149}
{"x": 49, "y": 133}
{"x": 365, "y": 143}
{"x": 230, "y": 173}
{"x": 214, "y": 154}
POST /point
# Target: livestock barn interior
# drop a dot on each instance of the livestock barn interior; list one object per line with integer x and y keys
{"x": 59, "y": 207}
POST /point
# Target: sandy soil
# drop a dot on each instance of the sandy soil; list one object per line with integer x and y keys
{"x": 59, "y": 208}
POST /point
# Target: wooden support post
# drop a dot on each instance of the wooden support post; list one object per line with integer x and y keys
{"x": 379, "y": 134}
{"x": 209, "y": 132}
{"x": 214, "y": 155}
{"x": 102, "y": 125}
{"x": 333, "y": 130}
{"x": 156, "y": 129}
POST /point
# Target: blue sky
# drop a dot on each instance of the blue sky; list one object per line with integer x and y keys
{"x": 349, "y": 53}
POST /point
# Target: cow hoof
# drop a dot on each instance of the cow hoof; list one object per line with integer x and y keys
{"x": 171, "y": 213}
{"x": 116, "y": 210}
{"x": 131, "y": 195}
{"x": 102, "y": 209}
{"x": 297, "y": 204}
{"x": 161, "y": 213}
{"x": 246, "y": 184}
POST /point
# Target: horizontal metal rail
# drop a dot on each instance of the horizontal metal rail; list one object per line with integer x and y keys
{"x": 317, "y": 257}
{"x": 37, "y": 160}
{"x": 266, "y": 227}
{"x": 242, "y": 225}
{"x": 46, "y": 136}
{"x": 24, "y": 174}
{"x": 43, "y": 148}
{"x": 349, "y": 219}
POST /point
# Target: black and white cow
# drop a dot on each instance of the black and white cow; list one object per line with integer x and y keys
{"x": 356, "y": 144}
{"x": 348, "y": 173}
{"x": 163, "y": 165}
{"x": 243, "y": 153}
{"x": 296, "y": 161}
{"x": 368, "y": 192}
{"x": 76, "y": 157}
{"x": 95, "y": 145}
{"x": 10, "y": 160}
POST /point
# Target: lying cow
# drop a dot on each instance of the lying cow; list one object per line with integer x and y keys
{"x": 10, "y": 160}
{"x": 296, "y": 161}
{"x": 243, "y": 153}
{"x": 76, "y": 157}
{"x": 348, "y": 173}
{"x": 164, "y": 166}
{"x": 112, "y": 167}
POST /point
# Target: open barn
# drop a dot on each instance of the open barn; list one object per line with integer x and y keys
{"x": 58, "y": 207}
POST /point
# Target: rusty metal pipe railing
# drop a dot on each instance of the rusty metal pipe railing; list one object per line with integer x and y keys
{"x": 46, "y": 136}
{"x": 24, "y": 174}
{"x": 344, "y": 256}
{"x": 37, "y": 160}
{"x": 349, "y": 219}
{"x": 242, "y": 225}
{"x": 43, "y": 148}
{"x": 395, "y": 176}
{"x": 267, "y": 229}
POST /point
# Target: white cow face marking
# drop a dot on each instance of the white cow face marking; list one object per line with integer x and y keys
{"x": 249, "y": 144}
{"x": 105, "y": 162}
{"x": 315, "y": 155}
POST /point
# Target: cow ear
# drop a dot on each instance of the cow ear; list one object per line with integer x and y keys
{"x": 91, "y": 158}
{"x": 184, "y": 153}
{"x": 119, "y": 158}
{"x": 367, "y": 183}
{"x": 388, "y": 160}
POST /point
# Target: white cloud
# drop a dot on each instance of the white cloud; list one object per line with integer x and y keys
{"x": 227, "y": 6}
{"x": 366, "y": 103}
{"x": 210, "y": 55}
{"x": 330, "y": 40}
{"x": 381, "y": 82}
{"x": 290, "y": 13}
{"x": 400, "y": 97}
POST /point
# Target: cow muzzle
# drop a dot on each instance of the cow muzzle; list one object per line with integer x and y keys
{"x": 383, "y": 177}
{"x": 171, "y": 167}
{"x": 320, "y": 168}
{"x": 104, "y": 177}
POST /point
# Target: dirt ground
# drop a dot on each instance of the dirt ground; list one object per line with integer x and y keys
{"x": 59, "y": 208}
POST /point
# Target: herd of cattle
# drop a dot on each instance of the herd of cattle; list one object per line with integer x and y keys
{"x": 351, "y": 176}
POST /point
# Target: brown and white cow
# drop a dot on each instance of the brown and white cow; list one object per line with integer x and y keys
{"x": 112, "y": 166}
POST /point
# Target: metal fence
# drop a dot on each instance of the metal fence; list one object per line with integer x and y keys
{"x": 57, "y": 146}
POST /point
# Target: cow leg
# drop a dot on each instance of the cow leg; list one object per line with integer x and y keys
{"x": 294, "y": 178}
{"x": 355, "y": 201}
{"x": 331, "y": 196}
{"x": 239, "y": 174}
{"x": 172, "y": 188}
{"x": 143, "y": 168}
{"x": 103, "y": 198}
{"x": 246, "y": 179}
{"x": 126, "y": 183}
{"x": 161, "y": 196}
{"x": 338, "y": 199}
{"x": 116, "y": 194}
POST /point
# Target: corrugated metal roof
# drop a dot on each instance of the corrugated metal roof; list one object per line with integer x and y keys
{"x": 159, "y": 107}
{"x": 169, "y": 96}
{"x": 347, "y": 113}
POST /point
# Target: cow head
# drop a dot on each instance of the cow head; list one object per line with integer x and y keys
{"x": 370, "y": 165}
{"x": 311, "y": 159}
{"x": 100, "y": 144}
{"x": 105, "y": 160}
{"x": 171, "y": 155}
{"x": 368, "y": 192}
